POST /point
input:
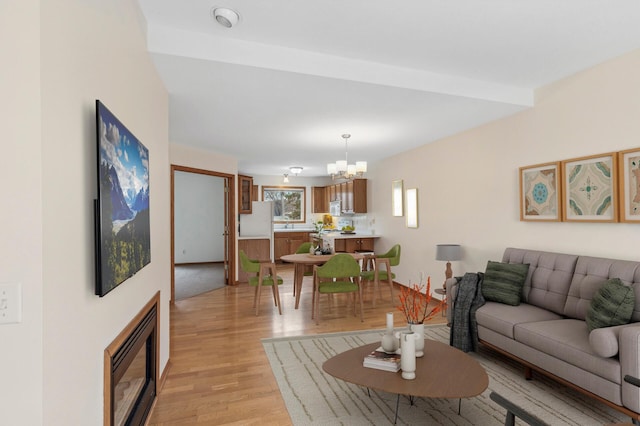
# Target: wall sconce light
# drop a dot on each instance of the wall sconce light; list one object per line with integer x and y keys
{"x": 286, "y": 178}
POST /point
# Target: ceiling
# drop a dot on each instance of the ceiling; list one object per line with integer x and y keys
{"x": 281, "y": 87}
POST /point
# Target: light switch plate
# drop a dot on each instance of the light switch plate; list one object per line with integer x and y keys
{"x": 10, "y": 303}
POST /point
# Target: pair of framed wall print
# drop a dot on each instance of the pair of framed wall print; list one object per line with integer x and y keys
{"x": 598, "y": 188}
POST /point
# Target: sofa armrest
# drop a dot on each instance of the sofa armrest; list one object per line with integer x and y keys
{"x": 630, "y": 364}
{"x": 451, "y": 286}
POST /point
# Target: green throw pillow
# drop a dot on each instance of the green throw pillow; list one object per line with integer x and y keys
{"x": 503, "y": 282}
{"x": 611, "y": 305}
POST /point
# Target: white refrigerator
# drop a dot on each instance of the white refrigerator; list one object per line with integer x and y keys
{"x": 258, "y": 224}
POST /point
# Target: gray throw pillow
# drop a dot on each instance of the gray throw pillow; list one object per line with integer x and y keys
{"x": 611, "y": 305}
{"x": 503, "y": 282}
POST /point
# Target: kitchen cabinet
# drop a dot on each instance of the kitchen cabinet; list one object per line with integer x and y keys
{"x": 352, "y": 195}
{"x": 358, "y": 192}
{"x": 319, "y": 200}
{"x": 245, "y": 190}
{"x": 351, "y": 245}
{"x": 288, "y": 242}
{"x": 332, "y": 193}
{"x": 259, "y": 249}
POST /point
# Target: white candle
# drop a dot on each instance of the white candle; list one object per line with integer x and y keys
{"x": 389, "y": 320}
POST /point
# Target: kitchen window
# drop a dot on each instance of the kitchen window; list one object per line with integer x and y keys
{"x": 288, "y": 203}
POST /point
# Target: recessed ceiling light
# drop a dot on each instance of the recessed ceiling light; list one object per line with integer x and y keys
{"x": 225, "y": 17}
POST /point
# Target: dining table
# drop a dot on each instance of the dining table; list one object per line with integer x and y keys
{"x": 301, "y": 260}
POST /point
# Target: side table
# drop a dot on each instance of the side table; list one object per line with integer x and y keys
{"x": 442, "y": 292}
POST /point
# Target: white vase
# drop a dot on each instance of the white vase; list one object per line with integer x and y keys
{"x": 389, "y": 342}
{"x": 408, "y": 355}
{"x": 419, "y": 330}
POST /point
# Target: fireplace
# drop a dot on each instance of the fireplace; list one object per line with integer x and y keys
{"x": 131, "y": 369}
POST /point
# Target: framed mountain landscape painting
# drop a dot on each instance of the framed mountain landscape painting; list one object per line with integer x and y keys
{"x": 122, "y": 223}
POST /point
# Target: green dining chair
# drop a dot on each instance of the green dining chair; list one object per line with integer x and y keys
{"x": 340, "y": 274}
{"x": 308, "y": 269}
{"x": 263, "y": 275}
{"x": 382, "y": 264}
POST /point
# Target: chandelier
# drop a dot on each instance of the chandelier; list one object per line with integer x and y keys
{"x": 341, "y": 169}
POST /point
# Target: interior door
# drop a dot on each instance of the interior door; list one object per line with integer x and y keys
{"x": 225, "y": 234}
{"x": 228, "y": 201}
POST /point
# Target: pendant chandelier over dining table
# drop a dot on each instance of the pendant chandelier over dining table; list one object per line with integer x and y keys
{"x": 341, "y": 169}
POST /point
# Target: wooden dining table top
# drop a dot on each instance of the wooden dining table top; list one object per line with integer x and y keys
{"x": 313, "y": 259}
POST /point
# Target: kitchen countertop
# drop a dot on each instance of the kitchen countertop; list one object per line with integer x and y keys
{"x": 338, "y": 235}
{"x": 294, "y": 230}
{"x": 254, "y": 237}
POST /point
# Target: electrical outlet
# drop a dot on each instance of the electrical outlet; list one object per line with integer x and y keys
{"x": 10, "y": 303}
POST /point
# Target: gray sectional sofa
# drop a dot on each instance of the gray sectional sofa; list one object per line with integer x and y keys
{"x": 547, "y": 331}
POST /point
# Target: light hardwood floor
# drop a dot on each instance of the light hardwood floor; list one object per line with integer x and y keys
{"x": 219, "y": 374}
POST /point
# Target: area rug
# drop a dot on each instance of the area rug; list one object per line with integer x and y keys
{"x": 313, "y": 397}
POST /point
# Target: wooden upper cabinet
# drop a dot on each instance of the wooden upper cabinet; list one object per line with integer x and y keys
{"x": 245, "y": 190}
{"x": 319, "y": 200}
{"x": 332, "y": 193}
{"x": 352, "y": 194}
{"x": 359, "y": 194}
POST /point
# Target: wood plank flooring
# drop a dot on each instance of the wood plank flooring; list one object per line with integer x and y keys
{"x": 219, "y": 374}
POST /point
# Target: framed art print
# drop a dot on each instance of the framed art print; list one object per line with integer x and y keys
{"x": 540, "y": 192}
{"x": 629, "y": 178}
{"x": 590, "y": 189}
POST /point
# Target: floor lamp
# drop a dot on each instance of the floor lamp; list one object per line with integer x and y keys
{"x": 448, "y": 253}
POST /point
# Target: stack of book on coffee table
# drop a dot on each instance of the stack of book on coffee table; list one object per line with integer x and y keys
{"x": 382, "y": 360}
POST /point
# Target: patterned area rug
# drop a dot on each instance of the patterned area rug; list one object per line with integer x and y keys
{"x": 313, "y": 397}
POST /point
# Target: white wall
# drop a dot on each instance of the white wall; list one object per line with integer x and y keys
{"x": 181, "y": 155}
{"x": 58, "y": 57}
{"x": 21, "y": 215}
{"x": 198, "y": 217}
{"x": 468, "y": 183}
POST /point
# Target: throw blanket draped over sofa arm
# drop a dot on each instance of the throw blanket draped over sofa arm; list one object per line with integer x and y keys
{"x": 464, "y": 330}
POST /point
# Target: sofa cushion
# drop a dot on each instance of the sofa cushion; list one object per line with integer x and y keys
{"x": 590, "y": 274}
{"x": 503, "y": 282}
{"x": 502, "y": 318}
{"x": 549, "y": 276}
{"x": 568, "y": 340}
{"x": 611, "y": 305}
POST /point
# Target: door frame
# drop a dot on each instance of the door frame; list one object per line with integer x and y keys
{"x": 229, "y": 219}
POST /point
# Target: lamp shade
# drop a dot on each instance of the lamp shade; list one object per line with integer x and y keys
{"x": 448, "y": 252}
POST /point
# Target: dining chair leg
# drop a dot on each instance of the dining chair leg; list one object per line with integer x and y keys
{"x": 297, "y": 284}
{"x": 389, "y": 279}
{"x": 313, "y": 296}
{"x": 256, "y": 299}
{"x": 276, "y": 296}
{"x": 359, "y": 281}
{"x": 316, "y": 309}
{"x": 255, "y": 296}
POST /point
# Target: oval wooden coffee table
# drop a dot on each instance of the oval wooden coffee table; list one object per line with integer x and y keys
{"x": 443, "y": 372}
